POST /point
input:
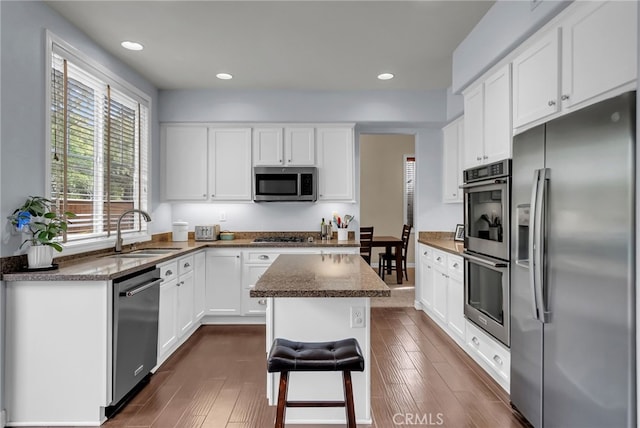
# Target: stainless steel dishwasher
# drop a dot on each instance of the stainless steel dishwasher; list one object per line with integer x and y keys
{"x": 136, "y": 300}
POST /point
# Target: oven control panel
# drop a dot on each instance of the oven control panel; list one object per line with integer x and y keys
{"x": 484, "y": 172}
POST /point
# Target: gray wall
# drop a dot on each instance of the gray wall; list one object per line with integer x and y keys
{"x": 301, "y": 106}
{"x": 22, "y": 138}
{"x": 507, "y": 24}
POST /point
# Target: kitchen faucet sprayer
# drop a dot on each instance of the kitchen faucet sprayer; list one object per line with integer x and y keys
{"x": 146, "y": 216}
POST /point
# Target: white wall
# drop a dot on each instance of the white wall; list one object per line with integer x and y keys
{"x": 507, "y": 24}
{"x": 380, "y": 111}
{"x": 23, "y": 130}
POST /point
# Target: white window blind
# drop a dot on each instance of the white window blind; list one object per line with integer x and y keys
{"x": 99, "y": 146}
{"x": 409, "y": 187}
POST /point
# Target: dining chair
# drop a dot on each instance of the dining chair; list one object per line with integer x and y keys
{"x": 388, "y": 262}
{"x": 366, "y": 237}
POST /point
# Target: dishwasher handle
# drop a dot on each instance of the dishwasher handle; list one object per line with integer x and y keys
{"x": 133, "y": 292}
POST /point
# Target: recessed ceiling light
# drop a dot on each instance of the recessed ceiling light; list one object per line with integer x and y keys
{"x": 132, "y": 46}
{"x": 385, "y": 76}
{"x": 224, "y": 76}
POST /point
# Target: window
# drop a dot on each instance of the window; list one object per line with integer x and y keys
{"x": 98, "y": 148}
{"x": 409, "y": 186}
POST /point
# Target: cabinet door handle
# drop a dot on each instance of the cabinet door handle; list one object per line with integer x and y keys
{"x": 551, "y": 103}
{"x": 478, "y": 158}
{"x": 262, "y": 301}
{"x": 485, "y": 157}
{"x": 475, "y": 341}
{"x": 186, "y": 264}
{"x": 497, "y": 359}
{"x": 439, "y": 259}
{"x": 425, "y": 253}
{"x": 455, "y": 265}
{"x": 179, "y": 284}
{"x": 263, "y": 257}
{"x": 204, "y": 195}
{"x": 238, "y": 256}
{"x": 428, "y": 267}
{"x": 289, "y": 161}
{"x": 212, "y": 195}
{"x": 564, "y": 97}
{"x": 453, "y": 194}
{"x": 168, "y": 272}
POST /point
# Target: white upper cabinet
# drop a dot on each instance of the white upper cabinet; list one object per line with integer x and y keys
{"x": 267, "y": 146}
{"x": 497, "y": 115}
{"x": 487, "y": 119}
{"x": 185, "y": 162}
{"x": 230, "y": 164}
{"x": 335, "y": 164}
{"x": 474, "y": 126}
{"x": 452, "y": 157}
{"x": 293, "y": 146}
{"x": 535, "y": 81}
{"x": 599, "y": 50}
{"x": 589, "y": 55}
{"x": 203, "y": 163}
{"x": 299, "y": 147}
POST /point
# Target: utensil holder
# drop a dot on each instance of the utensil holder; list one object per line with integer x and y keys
{"x": 343, "y": 234}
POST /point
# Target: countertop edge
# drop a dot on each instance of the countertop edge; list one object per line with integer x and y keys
{"x": 320, "y": 293}
{"x": 448, "y": 245}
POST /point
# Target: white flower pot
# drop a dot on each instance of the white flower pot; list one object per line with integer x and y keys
{"x": 39, "y": 256}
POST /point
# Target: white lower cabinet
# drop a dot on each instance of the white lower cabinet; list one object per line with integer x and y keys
{"x": 168, "y": 310}
{"x": 185, "y": 295}
{"x": 224, "y": 282}
{"x": 455, "y": 296}
{"x": 442, "y": 299}
{"x": 176, "y": 315}
{"x": 200, "y": 283}
{"x": 492, "y": 356}
{"x": 425, "y": 293}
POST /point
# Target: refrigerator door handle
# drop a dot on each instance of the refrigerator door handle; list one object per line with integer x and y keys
{"x": 539, "y": 250}
{"x": 532, "y": 243}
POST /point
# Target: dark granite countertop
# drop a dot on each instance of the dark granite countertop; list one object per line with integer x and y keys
{"x": 318, "y": 275}
{"x": 105, "y": 266}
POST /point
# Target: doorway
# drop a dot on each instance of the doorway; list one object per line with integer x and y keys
{"x": 383, "y": 202}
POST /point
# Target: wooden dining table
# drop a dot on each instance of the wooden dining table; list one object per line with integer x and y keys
{"x": 389, "y": 242}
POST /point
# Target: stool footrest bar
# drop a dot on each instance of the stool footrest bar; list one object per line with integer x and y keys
{"x": 315, "y": 403}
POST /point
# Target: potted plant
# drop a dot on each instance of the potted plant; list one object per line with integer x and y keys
{"x": 37, "y": 218}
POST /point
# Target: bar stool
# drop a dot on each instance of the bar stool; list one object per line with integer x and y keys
{"x": 287, "y": 356}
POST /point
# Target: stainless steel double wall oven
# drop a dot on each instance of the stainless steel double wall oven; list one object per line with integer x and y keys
{"x": 487, "y": 211}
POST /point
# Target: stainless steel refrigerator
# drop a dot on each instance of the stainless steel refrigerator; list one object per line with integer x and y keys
{"x": 572, "y": 277}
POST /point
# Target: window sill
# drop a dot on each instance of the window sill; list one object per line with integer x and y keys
{"x": 78, "y": 247}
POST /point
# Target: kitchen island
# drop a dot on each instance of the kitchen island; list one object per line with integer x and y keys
{"x": 317, "y": 298}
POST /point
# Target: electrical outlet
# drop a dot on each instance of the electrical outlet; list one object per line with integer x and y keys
{"x": 357, "y": 317}
{"x": 223, "y": 216}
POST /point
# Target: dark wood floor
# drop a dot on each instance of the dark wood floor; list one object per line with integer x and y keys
{"x": 419, "y": 378}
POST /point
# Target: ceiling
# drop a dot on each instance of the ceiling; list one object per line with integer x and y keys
{"x": 300, "y": 45}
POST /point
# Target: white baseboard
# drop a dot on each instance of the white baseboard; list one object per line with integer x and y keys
{"x": 3, "y": 418}
{"x": 231, "y": 319}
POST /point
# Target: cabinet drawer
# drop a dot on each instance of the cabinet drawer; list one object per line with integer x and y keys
{"x": 456, "y": 266}
{"x": 262, "y": 257}
{"x": 439, "y": 258}
{"x": 169, "y": 271}
{"x": 490, "y": 352}
{"x": 426, "y": 252}
{"x": 185, "y": 264}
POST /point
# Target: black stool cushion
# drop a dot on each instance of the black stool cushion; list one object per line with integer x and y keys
{"x": 288, "y": 356}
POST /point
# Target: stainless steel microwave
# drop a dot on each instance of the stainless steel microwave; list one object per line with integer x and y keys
{"x": 282, "y": 184}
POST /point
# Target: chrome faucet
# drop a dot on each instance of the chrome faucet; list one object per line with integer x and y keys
{"x": 146, "y": 216}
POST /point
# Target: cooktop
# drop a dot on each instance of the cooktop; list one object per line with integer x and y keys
{"x": 292, "y": 239}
